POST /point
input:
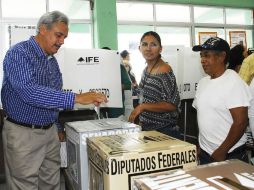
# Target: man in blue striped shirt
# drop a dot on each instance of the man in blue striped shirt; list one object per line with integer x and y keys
{"x": 32, "y": 96}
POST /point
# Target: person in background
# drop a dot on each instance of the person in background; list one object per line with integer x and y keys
{"x": 251, "y": 109}
{"x": 236, "y": 56}
{"x": 32, "y": 96}
{"x": 159, "y": 97}
{"x": 134, "y": 86}
{"x": 126, "y": 85}
{"x": 222, "y": 99}
{"x": 247, "y": 69}
{"x": 126, "y": 62}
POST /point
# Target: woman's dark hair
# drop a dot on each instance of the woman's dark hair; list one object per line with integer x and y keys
{"x": 236, "y": 56}
{"x": 152, "y": 33}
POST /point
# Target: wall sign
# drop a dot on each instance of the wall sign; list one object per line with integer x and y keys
{"x": 237, "y": 37}
{"x": 203, "y": 36}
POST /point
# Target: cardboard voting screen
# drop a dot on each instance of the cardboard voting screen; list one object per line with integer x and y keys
{"x": 186, "y": 67}
{"x": 87, "y": 70}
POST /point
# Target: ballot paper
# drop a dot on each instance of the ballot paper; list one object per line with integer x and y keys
{"x": 227, "y": 175}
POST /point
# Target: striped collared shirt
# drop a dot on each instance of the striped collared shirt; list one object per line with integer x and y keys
{"x": 32, "y": 85}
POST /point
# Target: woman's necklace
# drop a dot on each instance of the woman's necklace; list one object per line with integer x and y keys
{"x": 146, "y": 76}
{"x": 141, "y": 89}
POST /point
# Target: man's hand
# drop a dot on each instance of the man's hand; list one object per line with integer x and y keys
{"x": 90, "y": 98}
{"x": 61, "y": 136}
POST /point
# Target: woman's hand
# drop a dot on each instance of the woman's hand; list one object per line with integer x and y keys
{"x": 138, "y": 110}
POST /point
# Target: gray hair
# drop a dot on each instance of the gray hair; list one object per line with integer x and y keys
{"x": 48, "y": 19}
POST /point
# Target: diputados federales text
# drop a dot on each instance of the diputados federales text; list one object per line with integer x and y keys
{"x": 160, "y": 160}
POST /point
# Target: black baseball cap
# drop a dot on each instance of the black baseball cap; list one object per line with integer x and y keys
{"x": 213, "y": 43}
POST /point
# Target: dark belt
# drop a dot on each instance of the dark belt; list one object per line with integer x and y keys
{"x": 238, "y": 150}
{"x": 29, "y": 125}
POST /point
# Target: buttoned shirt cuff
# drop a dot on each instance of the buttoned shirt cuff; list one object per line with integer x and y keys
{"x": 69, "y": 100}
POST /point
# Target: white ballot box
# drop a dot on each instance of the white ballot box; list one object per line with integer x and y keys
{"x": 228, "y": 175}
{"x": 77, "y": 133}
{"x": 115, "y": 160}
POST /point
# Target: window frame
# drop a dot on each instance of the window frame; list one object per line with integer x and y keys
{"x": 223, "y": 27}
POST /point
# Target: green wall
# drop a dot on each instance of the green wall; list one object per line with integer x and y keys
{"x": 105, "y": 24}
{"x": 105, "y": 18}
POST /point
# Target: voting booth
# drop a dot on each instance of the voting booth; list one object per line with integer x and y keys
{"x": 186, "y": 67}
{"x": 87, "y": 70}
